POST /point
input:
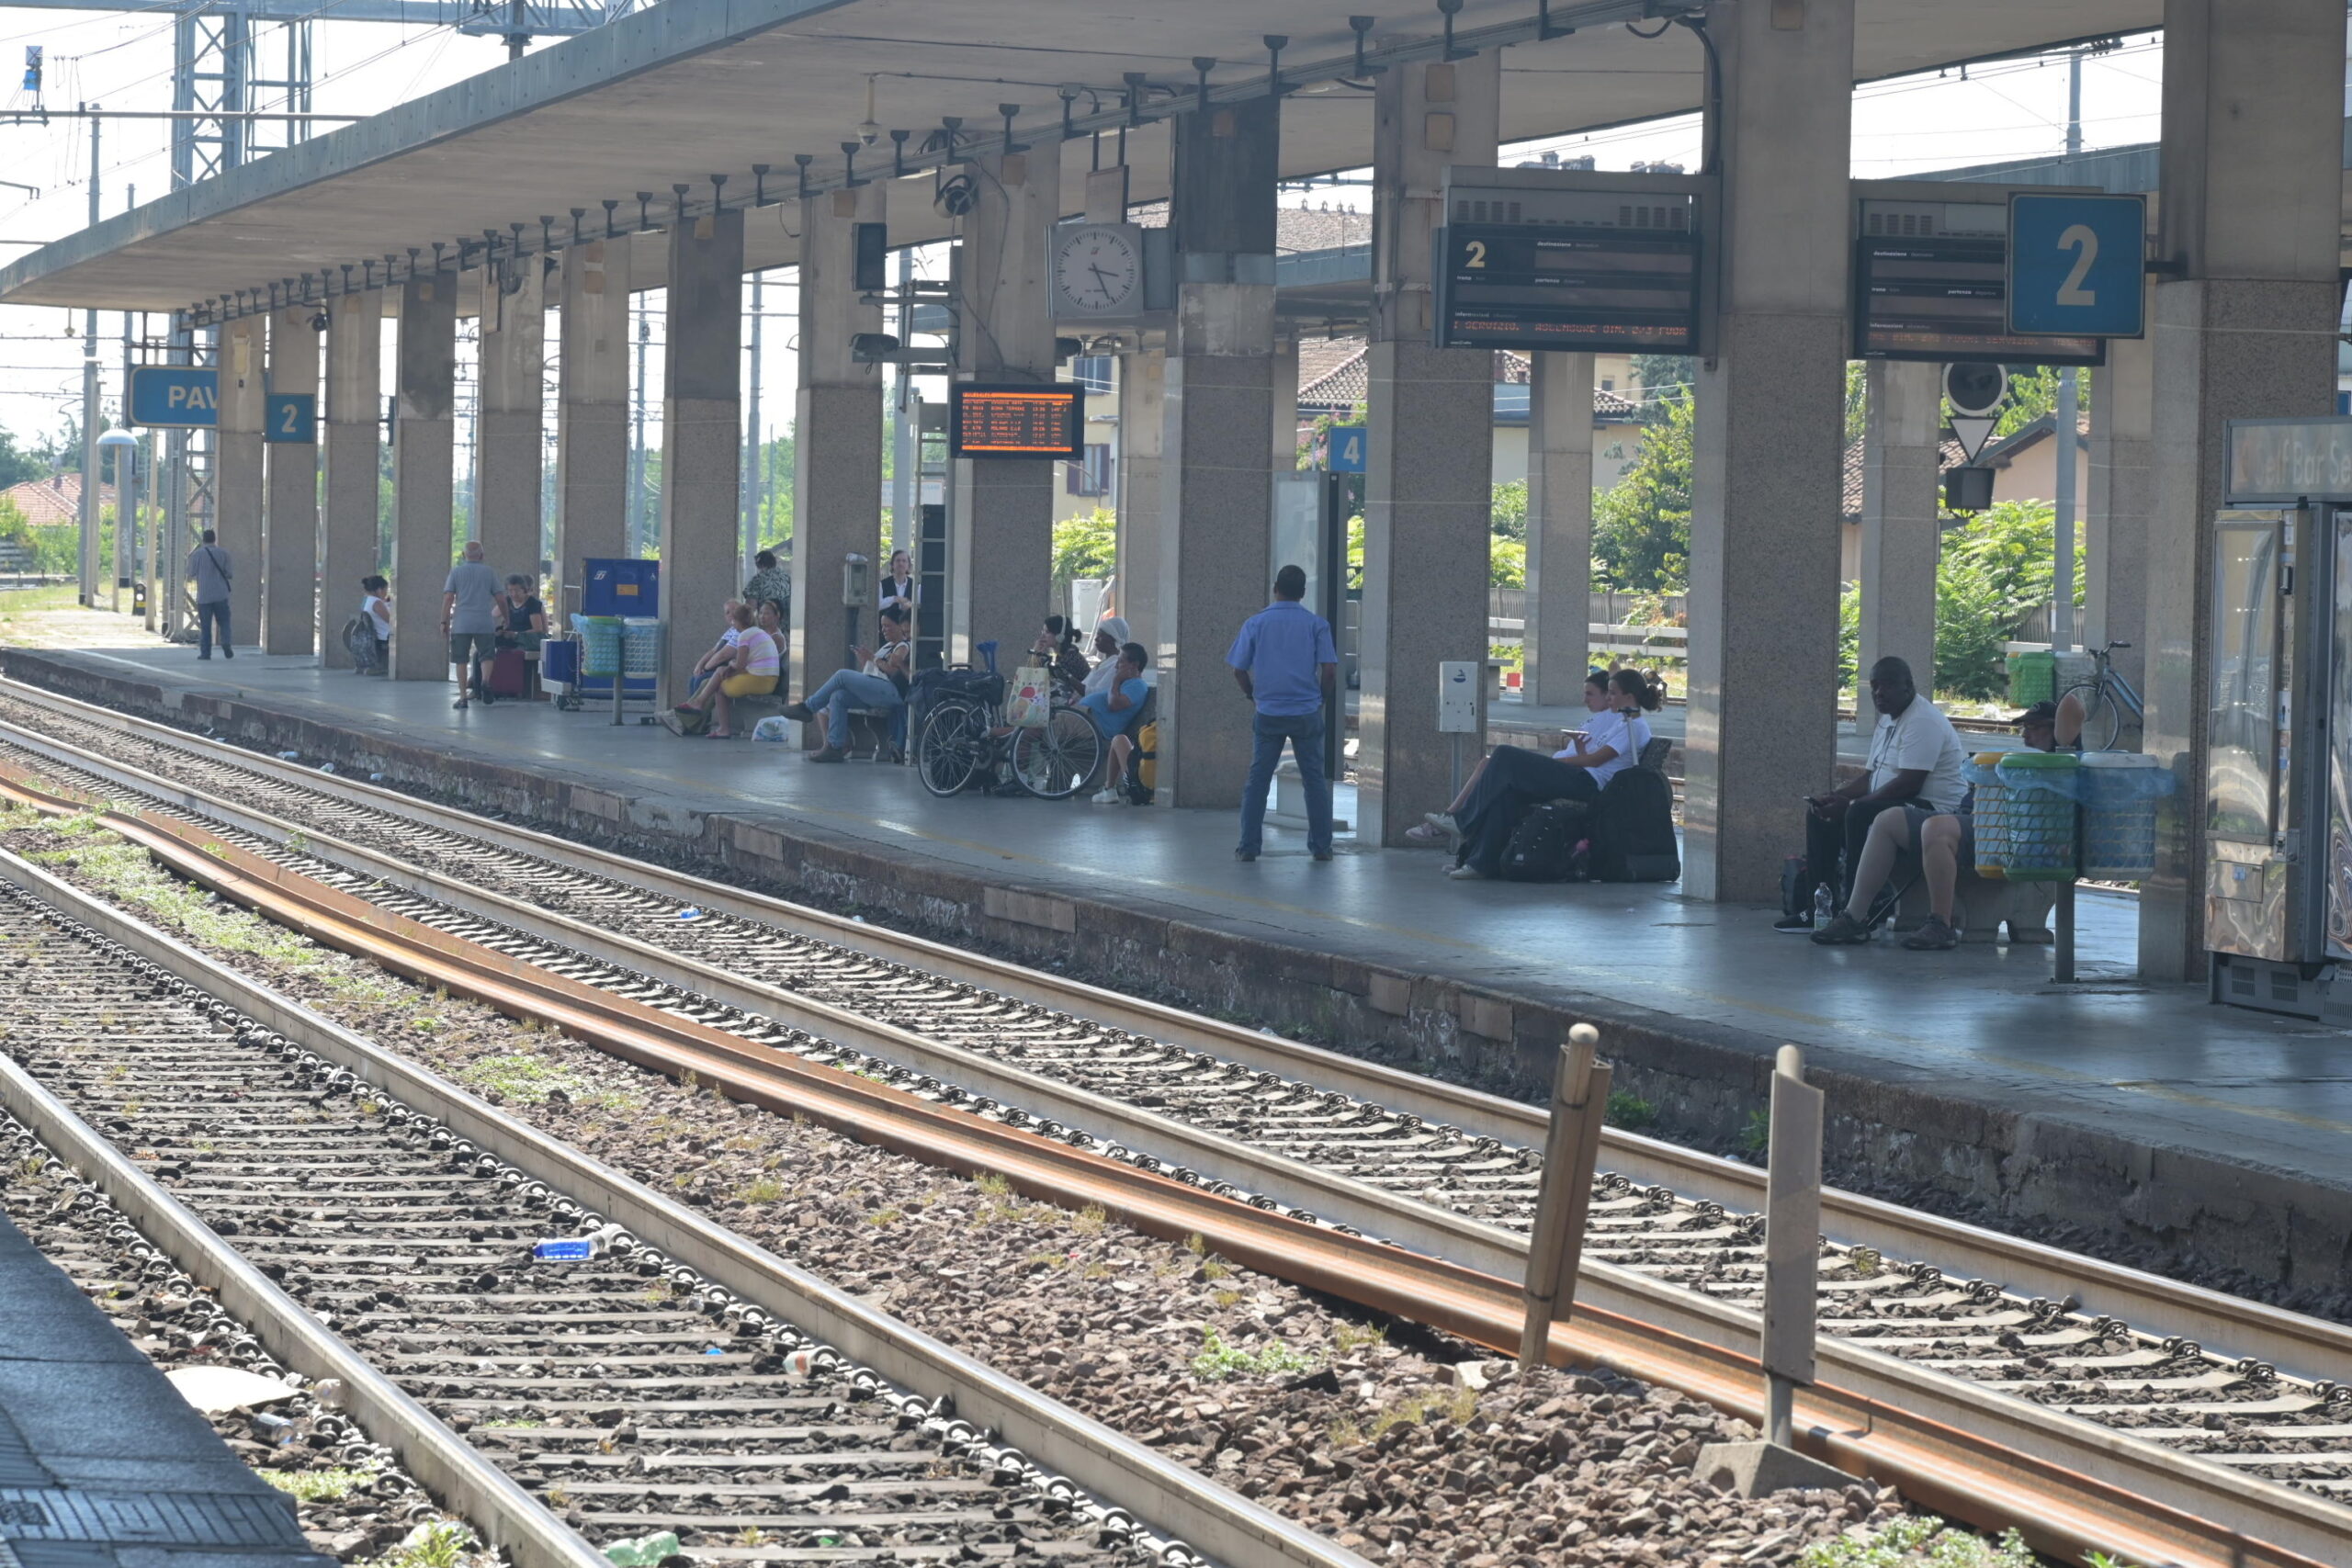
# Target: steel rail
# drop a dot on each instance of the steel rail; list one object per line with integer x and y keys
{"x": 1977, "y": 1455}
{"x": 462, "y": 1479}
{"x": 1168, "y": 1496}
{"x": 2305, "y": 1347}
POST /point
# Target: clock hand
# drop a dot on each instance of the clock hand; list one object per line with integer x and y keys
{"x": 1099, "y": 273}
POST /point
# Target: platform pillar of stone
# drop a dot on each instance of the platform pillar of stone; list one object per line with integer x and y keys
{"x": 2115, "y": 576}
{"x": 423, "y": 454}
{"x": 1000, "y": 527}
{"x": 353, "y": 429}
{"x": 1901, "y": 511}
{"x": 289, "y": 607}
{"x": 702, "y": 437}
{"x": 1558, "y": 634}
{"x": 1143, "y": 388}
{"x": 239, "y": 484}
{"x": 837, "y": 476}
{"x": 509, "y": 458}
{"x": 1428, "y": 457}
{"x": 591, "y": 412}
{"x": 2245, "y": 329}
{"x": 1216, "y": 455}
{"x": 1770, "y": 449}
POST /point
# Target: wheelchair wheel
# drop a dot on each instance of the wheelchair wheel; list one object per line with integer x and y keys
{"x": 951, "y": 749}
{"x": 1054, "y": 761}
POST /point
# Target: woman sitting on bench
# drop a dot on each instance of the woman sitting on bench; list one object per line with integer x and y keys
{"x": 1512, "y": 779}
{"x": 880, "y": 685}
{"x": 751, "y": 669}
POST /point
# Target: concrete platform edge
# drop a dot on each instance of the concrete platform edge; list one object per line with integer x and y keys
{"x": 1707, "y": 1080}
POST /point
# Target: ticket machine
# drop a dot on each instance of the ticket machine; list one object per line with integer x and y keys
{"x": 2276, "y": 800}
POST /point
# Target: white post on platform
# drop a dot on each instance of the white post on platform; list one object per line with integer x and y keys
{"x": 1792, "y": 1242}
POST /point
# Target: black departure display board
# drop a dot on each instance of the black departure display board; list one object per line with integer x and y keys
{"x": 1571, "y": 286}
{"x": 1021, "y": 419}
{"x": 1931, "y": 283}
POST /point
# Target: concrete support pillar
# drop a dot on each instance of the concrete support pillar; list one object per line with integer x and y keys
{"x": 837, "y": 427}
{"x": 2115, "y": 590}
{"x": 1143, "y": 386}
{"x": 1216, "y": 453}
{"x": 424, "y": 474}
{"x": 353, "y": 425}
{"x": 289, "y": 607}
{"x": 1286, "y": 409}
{"x": 238, "y": 484}
{"x": 1902, "y": 503}
{"x": 2252, "y": 157}
{"x": 1770, "y": 447}
{"x": 701, "y": 434}
{"x": 1559, "y": 528}
{"x": 592, "y": 411}
{"x": 508, "y": 453}
{"x": 999, "y": 540}
{"x": 1428, "y": 462}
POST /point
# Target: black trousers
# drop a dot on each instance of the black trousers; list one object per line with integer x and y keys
{"x": 1826, "y": 840}
{"x": 1513, "y": 780}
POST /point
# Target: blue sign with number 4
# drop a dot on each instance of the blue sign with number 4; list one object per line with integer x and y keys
{"x": 2076, "y": 265}
{"x": 1347, "y": 448}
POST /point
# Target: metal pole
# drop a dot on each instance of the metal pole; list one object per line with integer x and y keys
{"x": 753, "y": 444}
{"x": 905, "y": 482}
{"x": 637, "y": 520}
{"x": 90, "y": 412}
{"x": 2063, "y": 427}
{"x": 126, "y": 513}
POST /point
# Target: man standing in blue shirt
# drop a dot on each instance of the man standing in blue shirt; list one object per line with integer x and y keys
{"x": 1286, "y": 663}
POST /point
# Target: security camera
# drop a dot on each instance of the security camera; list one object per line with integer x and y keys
{"x": 319, "y": 322}
{"x": 956, "y": 196}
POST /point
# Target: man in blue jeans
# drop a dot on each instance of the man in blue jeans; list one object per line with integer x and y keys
{"x": 1286, "y": 663}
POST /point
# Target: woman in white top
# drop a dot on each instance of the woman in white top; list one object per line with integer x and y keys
{"x": 1110, "y": 636}
{"x": 901, "y": 588}
{"x": 752, "y": 669}
{"x": 1513, "y": 779}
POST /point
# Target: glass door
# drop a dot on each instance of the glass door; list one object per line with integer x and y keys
{"x": 2243, "y": 720}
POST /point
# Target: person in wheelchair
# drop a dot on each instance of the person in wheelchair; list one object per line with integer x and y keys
{"x": 1113, "y": 711}
{"x": 1944, "y": 839}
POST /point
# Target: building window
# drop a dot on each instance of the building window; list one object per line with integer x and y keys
{"x": 1092, "y": 371}
{"x": 1609, "y": 384}
{"x": 1091, "y": 476}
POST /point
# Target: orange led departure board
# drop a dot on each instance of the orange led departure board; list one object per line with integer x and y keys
{"x": 1017, "y": 421}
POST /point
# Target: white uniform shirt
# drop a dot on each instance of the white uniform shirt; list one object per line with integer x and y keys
{"x": 1622, "y": 733}
{"x": 1923, "y": 739}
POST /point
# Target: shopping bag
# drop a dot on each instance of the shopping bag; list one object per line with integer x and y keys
{"x": 1032, "y": 698}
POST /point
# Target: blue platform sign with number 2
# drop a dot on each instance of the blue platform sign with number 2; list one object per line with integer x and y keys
{"x": 2076, "y": 265}
{"x": 290, "y": 417}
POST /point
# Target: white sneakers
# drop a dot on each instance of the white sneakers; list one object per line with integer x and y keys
{"x": 1107, "y": 797}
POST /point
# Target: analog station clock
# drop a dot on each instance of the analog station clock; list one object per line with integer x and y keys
{"x": 1098, "y": 271}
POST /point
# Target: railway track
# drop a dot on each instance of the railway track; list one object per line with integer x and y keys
{"x": 627, "y": 1391}
{"x": 2260, "y": 1402}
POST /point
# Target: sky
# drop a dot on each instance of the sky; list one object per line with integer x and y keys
{"x": 123, "y": 61}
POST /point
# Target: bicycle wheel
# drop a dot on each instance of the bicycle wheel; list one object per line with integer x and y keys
{"x": 1054, "y": 760}
{"x": 951, "y": 749}
{"x": 2102, "y": 715}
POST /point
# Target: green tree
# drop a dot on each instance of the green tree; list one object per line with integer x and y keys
{"x": 1663, "y": 377}
{"x": 17, "y": 463}
{"x": 1506, "y": 563}
{"x": 1857, "y": 398}
{"x": 1994, "y": 571}
{"x": 1084, "y": 545}
{"x": 1509, "y": 512}
{"x": 2034, "y": 394}
{"x": 1641, "y": 524}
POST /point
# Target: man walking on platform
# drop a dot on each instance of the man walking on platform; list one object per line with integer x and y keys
{"x": 1286, "y": 663}
{"x": 208, "y": 565}
{"x": 469, "y": 618}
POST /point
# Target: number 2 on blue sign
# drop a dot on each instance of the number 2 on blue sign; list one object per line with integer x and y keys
{"x": 2080, "y": 240}
{"x": 290, "y": 420}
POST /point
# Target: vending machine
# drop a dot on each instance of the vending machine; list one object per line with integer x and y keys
{"x": 2275, "y": 793}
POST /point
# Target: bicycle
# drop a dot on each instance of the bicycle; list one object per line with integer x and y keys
{"x": 2107, "y": 698}
{"x": 959, "y": 745}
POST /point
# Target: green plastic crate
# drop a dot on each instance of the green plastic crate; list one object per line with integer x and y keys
{"x": 2033, "y": 678}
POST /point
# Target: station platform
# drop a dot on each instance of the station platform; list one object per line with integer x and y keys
{"x": 102, "y": 1464}
{"x": 2178, "y": 1129}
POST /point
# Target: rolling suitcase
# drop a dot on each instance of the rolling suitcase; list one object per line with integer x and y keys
{"x": 508, "y": 674}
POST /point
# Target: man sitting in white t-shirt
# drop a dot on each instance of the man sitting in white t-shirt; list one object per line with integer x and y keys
{"x": 1915, "y": 759}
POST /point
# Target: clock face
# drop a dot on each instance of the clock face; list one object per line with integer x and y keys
{"x": 1098, "y": 270}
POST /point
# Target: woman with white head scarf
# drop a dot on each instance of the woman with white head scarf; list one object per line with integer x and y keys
{"x": 1110, "y": 634}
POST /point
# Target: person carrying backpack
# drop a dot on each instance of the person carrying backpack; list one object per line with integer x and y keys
{"x": 208, "y": 565}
